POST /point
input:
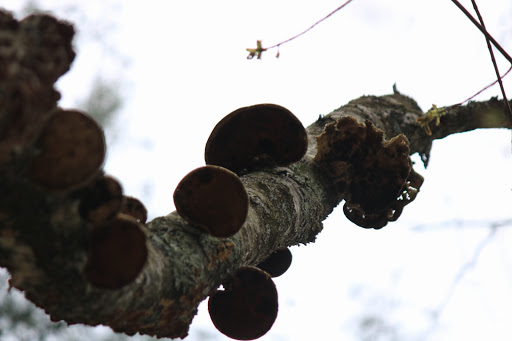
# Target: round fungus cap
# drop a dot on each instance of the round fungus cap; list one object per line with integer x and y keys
{"x": 255, "y": 137}
{"x": 72, "y": 150}
{"x": 117, "y": 253}
{"x": 277, "y": 263}
{"x": 214, "y": 199}
{"x": 101, "y": 200}
{"x": 135, "y": 208}
{"x": 247, "y": 308}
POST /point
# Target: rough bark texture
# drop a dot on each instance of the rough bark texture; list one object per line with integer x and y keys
{"x": 44, "y": 240}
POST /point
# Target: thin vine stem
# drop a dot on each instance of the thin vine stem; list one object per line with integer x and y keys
{"x": 310, "y": 28}
{"x": 256, "y": 52}
{"x": 507, "y": 104}
{"x": 483, "y": 30}
{"x": 485, "y": 88}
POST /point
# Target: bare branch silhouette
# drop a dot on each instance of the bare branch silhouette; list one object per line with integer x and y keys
{"x": 465, "y": 268}
{"x": 484, "y": 31}
{"x": 485, "y": 88}
{"x": 507, "y": 104}
{"x": 259, "y": 49}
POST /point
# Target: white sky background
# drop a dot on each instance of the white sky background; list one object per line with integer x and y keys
{"x": 181, "y": 67}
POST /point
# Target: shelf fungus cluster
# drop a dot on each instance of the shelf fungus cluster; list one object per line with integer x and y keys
{"x": 58, "y": 154}
{"x": 66, "y": 159}
{"x": 34, "y": 53}
{"x": 213, "y": 198}
{"x": 373, "y": 175}
{"x": 117, "y": 249}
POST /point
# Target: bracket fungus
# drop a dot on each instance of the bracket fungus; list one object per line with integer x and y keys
{"x": 255, "y": 137}
{"x": 71, "y": 151}
{"x": 373, "y": 175}
{"x": 101, "y": 200}
{"x": 117, "y": 253}
{"x": 135, "y": 208}
{"x": 247, "y": 308}
{"x": 277, "y": 263}
{"x": 34, "y": 53}
{"x": 214, "y": 199}
{"x": 50, "y": 40}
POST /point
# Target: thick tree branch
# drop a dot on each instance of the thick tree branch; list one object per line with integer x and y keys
{"x": 45, "y": 239}
{"x": 474, "y": 115}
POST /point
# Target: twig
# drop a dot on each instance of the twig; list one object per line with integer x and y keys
{"x": 461, "y": 223}
{"x": 257, "y": 52}
{"x": 485, "y": 88}
{"x": 304, "y": 32}
{"x": 507, "y": 104}
{"x": 483, "y": 30}
{"x": 466, "y": 267}
{"x": 469, "y": 265}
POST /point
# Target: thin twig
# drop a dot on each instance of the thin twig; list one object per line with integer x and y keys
{"x": 485, "y": 88}
{"x": 259, "y": 49}
{"x": 483, "y": 30}
{"x": 507, "y": 104}
{"x": 461, "y": 223}
{"x": 304, "y": 32}
{"x": 464, "y": 269}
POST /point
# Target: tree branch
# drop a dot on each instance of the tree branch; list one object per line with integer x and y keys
{"x": 484, "y": 31}
{"x": 494, "y": 64}
{"x": 474, "y": 115}
{"x": 260, "y": 49}
{"x": 45, "y": 238}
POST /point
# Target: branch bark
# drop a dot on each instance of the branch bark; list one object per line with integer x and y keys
{"x": 44, "y": 239}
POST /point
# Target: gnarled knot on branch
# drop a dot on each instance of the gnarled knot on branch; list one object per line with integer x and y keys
{"x": 373, "y": 175}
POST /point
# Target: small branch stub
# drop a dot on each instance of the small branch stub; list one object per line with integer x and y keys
{"x": 255, "y": 137}
{"x": 214, "y": 199}
{"x": 247, "y": 308}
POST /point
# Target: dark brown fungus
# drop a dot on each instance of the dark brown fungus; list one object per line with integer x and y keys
{"x": 372, "y": 174}
{"x": 34, "y": 53}
{"x": 117, "y": 253}
{"x": 101, "y": 200}
{"x": 247, "y": 308}
{"x": 24, "y": 110}
{"x": 214, "y": 199}
{"x": 135, "y": 208}
{"x": 71, "y": 151}
{"x": 277, "y": 263}
{"x": 50, "y": 52}
{"x": 255, "y": 137}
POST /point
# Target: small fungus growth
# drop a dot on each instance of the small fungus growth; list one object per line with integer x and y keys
{"x": 373, "y": 175}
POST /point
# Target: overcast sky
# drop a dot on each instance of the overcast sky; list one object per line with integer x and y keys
{"x": 181, "y": 67}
